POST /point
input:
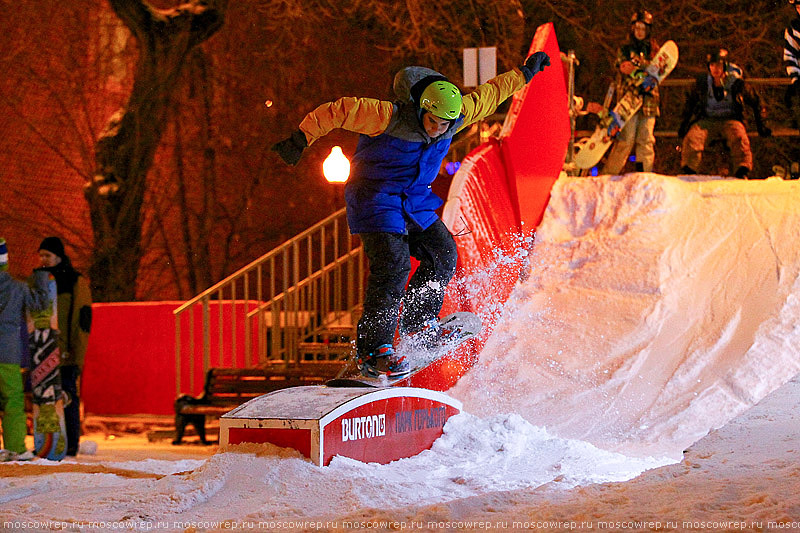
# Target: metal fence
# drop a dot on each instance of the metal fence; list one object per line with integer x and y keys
{"x": 297, "y": 303}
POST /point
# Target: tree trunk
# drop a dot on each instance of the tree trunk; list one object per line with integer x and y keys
{"x": 124, "y": 152}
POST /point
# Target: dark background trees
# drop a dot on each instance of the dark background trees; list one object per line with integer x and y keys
{"x": 214, "y": 197}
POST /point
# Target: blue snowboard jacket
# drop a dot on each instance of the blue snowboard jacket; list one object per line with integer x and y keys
{"x": 396, "y": 162}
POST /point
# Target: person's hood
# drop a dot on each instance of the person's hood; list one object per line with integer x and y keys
{"x": 409, "y": 82}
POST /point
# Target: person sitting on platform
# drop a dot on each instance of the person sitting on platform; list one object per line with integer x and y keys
{"x": 714, "y": 109}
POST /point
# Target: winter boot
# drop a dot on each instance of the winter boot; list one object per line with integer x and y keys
{"x": 383, "y": 361}
{"x": 742, "y": 173}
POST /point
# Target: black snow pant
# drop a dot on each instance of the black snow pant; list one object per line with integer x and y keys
{"x": 72, "y": 412}
{"x": 389, "y": 266}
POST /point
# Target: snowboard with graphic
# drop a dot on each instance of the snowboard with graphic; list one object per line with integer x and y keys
{"x": 49, "y": 427}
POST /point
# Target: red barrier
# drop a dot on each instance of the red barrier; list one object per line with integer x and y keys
{"x": 130, "y": 363}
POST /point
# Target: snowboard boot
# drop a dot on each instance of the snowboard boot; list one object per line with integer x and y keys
{"x": 383, "y": 360}
{"x": 8, "y": 455}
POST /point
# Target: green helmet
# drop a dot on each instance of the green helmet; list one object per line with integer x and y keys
{"x": 442, "y": 99}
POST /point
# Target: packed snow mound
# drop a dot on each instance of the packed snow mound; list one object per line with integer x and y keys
{"x": 653, "y": 309}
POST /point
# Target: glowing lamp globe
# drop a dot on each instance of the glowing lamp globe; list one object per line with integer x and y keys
{"x": 336, "y": 167}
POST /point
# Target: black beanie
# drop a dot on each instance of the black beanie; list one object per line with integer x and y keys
{"x": 54, "y": 245}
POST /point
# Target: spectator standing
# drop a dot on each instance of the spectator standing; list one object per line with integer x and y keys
{"x": 791, "y": 55}
{"x": 74, "y": 323}
{"x": 791, "y": 60}
{"x": 16, "y": 297}
{"x": 633, "y": 57}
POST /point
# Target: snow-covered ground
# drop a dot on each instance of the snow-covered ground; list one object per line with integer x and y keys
{"x": 656, "y": 309}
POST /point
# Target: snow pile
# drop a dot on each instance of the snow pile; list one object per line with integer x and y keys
{"x": 262, "y": 483}
{"x": 656, "y": 309}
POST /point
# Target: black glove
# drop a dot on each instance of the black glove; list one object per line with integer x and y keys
{"x": 792, "y": 91}
{"x": 291, "y": 149}
{"x": 534, "y": 64}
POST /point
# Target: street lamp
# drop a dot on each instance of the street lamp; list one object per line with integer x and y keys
{"x": 336, "y": 167}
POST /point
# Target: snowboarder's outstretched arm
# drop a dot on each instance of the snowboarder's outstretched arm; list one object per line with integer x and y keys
{"x": 361, "y": 115}
{"x": 484, "y": 100}
{"x": 372, "y": 117}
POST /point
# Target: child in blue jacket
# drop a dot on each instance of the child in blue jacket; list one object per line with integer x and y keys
{"x": 15, "y": 298}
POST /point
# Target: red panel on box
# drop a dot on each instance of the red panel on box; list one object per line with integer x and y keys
{"x": 298, "y": 439}
{"x": 386, "y": 430}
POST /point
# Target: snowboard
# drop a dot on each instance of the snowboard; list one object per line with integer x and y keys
{"x": 591, "y": 149}
{"x": 457, "y": 328}
{"x": 49, "y": 427}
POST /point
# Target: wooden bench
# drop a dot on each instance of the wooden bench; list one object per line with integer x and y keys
{"x": 226, "y": 388}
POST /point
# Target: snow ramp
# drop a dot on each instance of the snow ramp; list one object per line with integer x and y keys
{"x": 652, "y": 310}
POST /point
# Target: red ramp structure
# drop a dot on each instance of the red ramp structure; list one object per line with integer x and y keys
{"x": 501, "y": 192}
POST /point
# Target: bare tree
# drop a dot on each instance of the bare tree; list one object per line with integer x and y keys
{"x": 124, "y": 153}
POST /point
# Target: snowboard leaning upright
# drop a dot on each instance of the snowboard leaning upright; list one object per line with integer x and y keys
{"x": 456, "y": 328}
{"x": 591, "y": 149}
{"x": 49, "y": 427}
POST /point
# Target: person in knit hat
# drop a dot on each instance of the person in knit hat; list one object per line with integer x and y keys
{"x": 74, "y": 306}
{"x": 16, "y": 297}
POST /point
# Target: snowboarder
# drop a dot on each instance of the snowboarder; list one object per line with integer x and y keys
{"x": 714, "y": 108}
{"x": 15, "y": 298}
{"x": 389, "y": 199}
{"x": 632, "y": 57}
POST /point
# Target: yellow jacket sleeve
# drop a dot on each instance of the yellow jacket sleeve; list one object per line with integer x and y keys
{"x": 483, "y": 101}
{"x": 361, "y": 115}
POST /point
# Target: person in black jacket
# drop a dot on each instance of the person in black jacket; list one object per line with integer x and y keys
{"x": 715, "y": 109}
